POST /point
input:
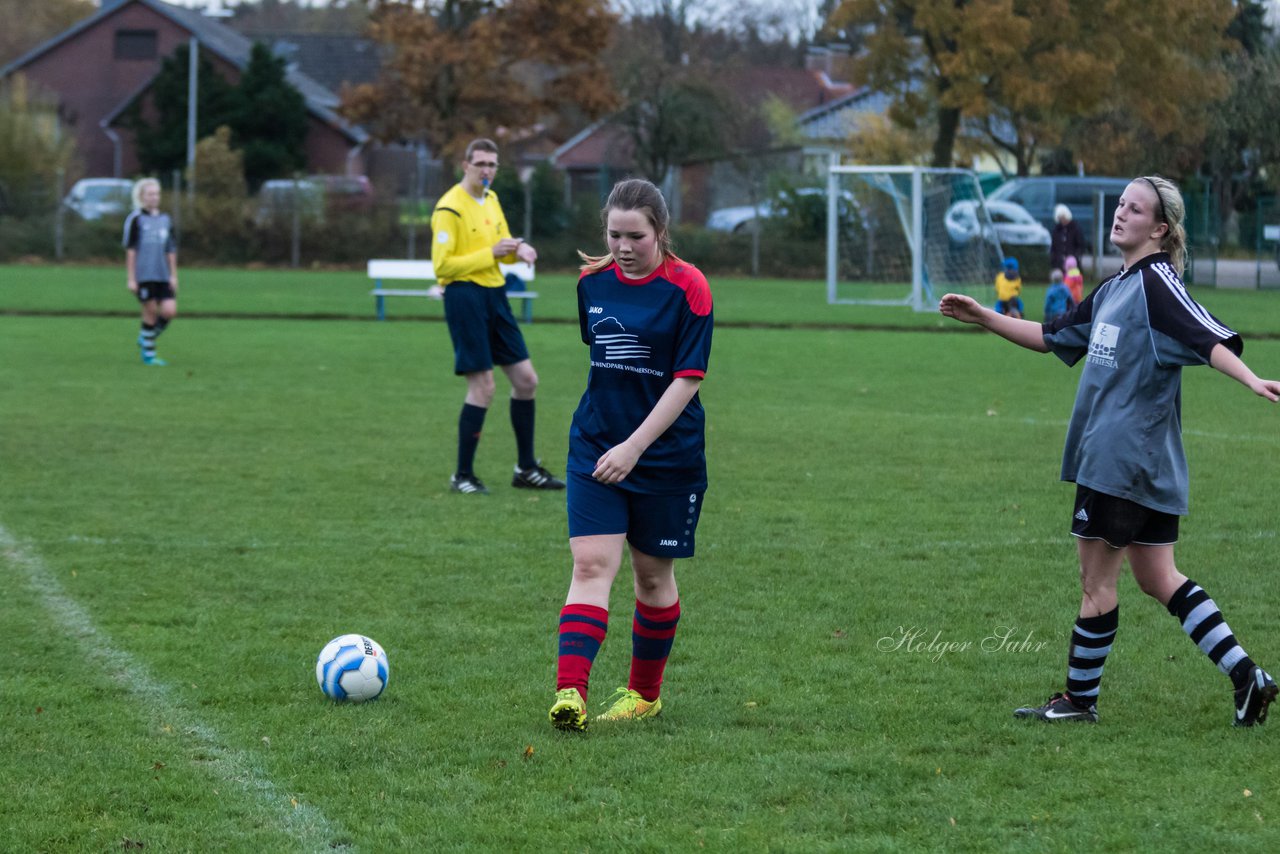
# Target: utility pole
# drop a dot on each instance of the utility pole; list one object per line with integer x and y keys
{"x": 193, "y": 67}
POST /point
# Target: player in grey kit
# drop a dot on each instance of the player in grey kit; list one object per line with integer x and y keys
{"x": 151, "y": 262}
{"x": 1124, "y": 452}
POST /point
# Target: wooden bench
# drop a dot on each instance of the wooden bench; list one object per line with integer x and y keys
{"x": 382, "y": 270}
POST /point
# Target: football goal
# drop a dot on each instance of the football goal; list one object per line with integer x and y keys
{"x": 905, "y": 235}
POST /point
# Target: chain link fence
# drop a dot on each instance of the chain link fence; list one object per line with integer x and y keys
{"x": 1238, "y": 250}
{"x": 316, "y": 220}
{"x": 320, "y": 221}
{"x": 307, "y": 221}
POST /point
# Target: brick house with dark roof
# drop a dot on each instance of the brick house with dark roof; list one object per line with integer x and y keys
{"x": 102, "y": 65}
{"x": 330, "y": 60}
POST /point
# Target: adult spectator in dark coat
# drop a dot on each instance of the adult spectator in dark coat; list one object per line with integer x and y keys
{"x": 1066, "y": 238}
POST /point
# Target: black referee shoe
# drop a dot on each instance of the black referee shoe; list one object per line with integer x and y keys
{"x": 1059, "y": 708}
{"x": 1253, "y": 698}
{"x": 468, "y": 484}
{"x": 535, "y": 477}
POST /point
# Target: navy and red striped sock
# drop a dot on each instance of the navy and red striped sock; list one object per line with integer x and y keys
{"x": 652, "y": 632}
{"x": 582, "y": 630}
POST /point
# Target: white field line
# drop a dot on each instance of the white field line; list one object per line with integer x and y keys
{"x": 305, "y": 824}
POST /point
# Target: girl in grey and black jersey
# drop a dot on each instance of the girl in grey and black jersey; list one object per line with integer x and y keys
{"x": 1135, "y": 333}
{"x": 151, "y": 262}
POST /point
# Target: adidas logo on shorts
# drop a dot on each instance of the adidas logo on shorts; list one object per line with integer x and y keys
{"x": 1081, "y": 515}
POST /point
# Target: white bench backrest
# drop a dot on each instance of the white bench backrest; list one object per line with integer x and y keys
{"x": 388, "y": 269}
{"x": 385, "y": 268}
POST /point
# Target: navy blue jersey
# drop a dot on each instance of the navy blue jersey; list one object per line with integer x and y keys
{"x": 643, "y": 334}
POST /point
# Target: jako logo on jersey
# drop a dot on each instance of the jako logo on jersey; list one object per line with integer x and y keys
{"x": 618, "y": 344}
{"x": 666, "y": 542}
{"x": 595, "y": 309}
{"x": 1102, "y": 347}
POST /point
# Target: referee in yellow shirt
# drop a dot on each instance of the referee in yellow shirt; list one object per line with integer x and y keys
{"x": 470, "y": 238}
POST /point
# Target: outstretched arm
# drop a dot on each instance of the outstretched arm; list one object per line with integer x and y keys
{"x": 1024, "y": 333}
{"x": 1233, "y": 366}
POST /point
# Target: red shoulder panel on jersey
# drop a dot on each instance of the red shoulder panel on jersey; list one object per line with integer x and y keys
{"x": 689, "y": 279}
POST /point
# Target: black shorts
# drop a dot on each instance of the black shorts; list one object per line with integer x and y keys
{"x": 1119, "y": 521}
{"x": 483, "y": 329}
{"x": 159, "y": 291}
{"x": 657, "y": 525}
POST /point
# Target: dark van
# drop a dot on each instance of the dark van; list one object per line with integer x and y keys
{"x": 1041, "y": 194}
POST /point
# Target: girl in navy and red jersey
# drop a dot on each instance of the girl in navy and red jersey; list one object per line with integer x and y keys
{"x": 637, "y": 466}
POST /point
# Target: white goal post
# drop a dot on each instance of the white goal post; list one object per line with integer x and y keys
{"x": 898, "y": 235}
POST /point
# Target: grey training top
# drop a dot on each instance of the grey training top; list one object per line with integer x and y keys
{"x": 1136, "y": 331}
{"x": 152, "y": 236}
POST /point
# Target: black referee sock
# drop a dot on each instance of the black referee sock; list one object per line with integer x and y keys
{"x": 1090, "y": 644}
{"x": 1204, "y": 624}
{"x": 522, "y": 424}
{"x": 470, "y": 425}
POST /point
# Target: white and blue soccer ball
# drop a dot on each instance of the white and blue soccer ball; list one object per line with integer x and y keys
{"x": 352, "y": 668}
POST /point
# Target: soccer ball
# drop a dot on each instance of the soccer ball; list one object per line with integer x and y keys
{"x": 352, "y": 667}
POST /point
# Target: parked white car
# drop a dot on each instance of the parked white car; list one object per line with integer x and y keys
{"x": 740, "y": 218}
{"x": 1013, "y": 225}
{"x": 736, "y": 218}
{"x": 94, "y": 198}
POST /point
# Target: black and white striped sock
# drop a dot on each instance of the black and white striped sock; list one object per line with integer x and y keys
{"x": 147, "y": 340}
{"x": 1204, "y": 624}
{"x": 1091, "y": 642}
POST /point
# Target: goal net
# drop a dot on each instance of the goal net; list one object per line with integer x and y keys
{"x": 905, "y": 235}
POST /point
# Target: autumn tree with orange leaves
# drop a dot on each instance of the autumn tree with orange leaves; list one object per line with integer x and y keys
{"x": 460, "y": 69}
{"x": 1118, "y": 83}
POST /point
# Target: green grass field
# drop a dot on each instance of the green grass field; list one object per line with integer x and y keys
{"x": 177, "y": 544}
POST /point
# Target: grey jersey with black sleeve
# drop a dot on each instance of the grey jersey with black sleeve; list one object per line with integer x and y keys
{"x": 151, "y": 235}
{"x": 1135, "y": 332}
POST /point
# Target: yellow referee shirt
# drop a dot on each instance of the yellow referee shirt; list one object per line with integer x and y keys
{"x": 464, "y": 233}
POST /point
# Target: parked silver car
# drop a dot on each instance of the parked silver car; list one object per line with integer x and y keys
{"x": 94, "y": 198}
{"x": 1012, "y": 224}
{"x": 742, "y": 217}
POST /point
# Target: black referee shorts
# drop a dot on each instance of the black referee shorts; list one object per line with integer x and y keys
{"x": 483, "y": 329}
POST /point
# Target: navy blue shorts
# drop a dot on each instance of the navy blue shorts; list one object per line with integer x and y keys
{"x": 1119, "y": 521}
{"x": 657, "y": 525}
{"x": 483, "y": 329}
{"x": 159, "y": 291}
